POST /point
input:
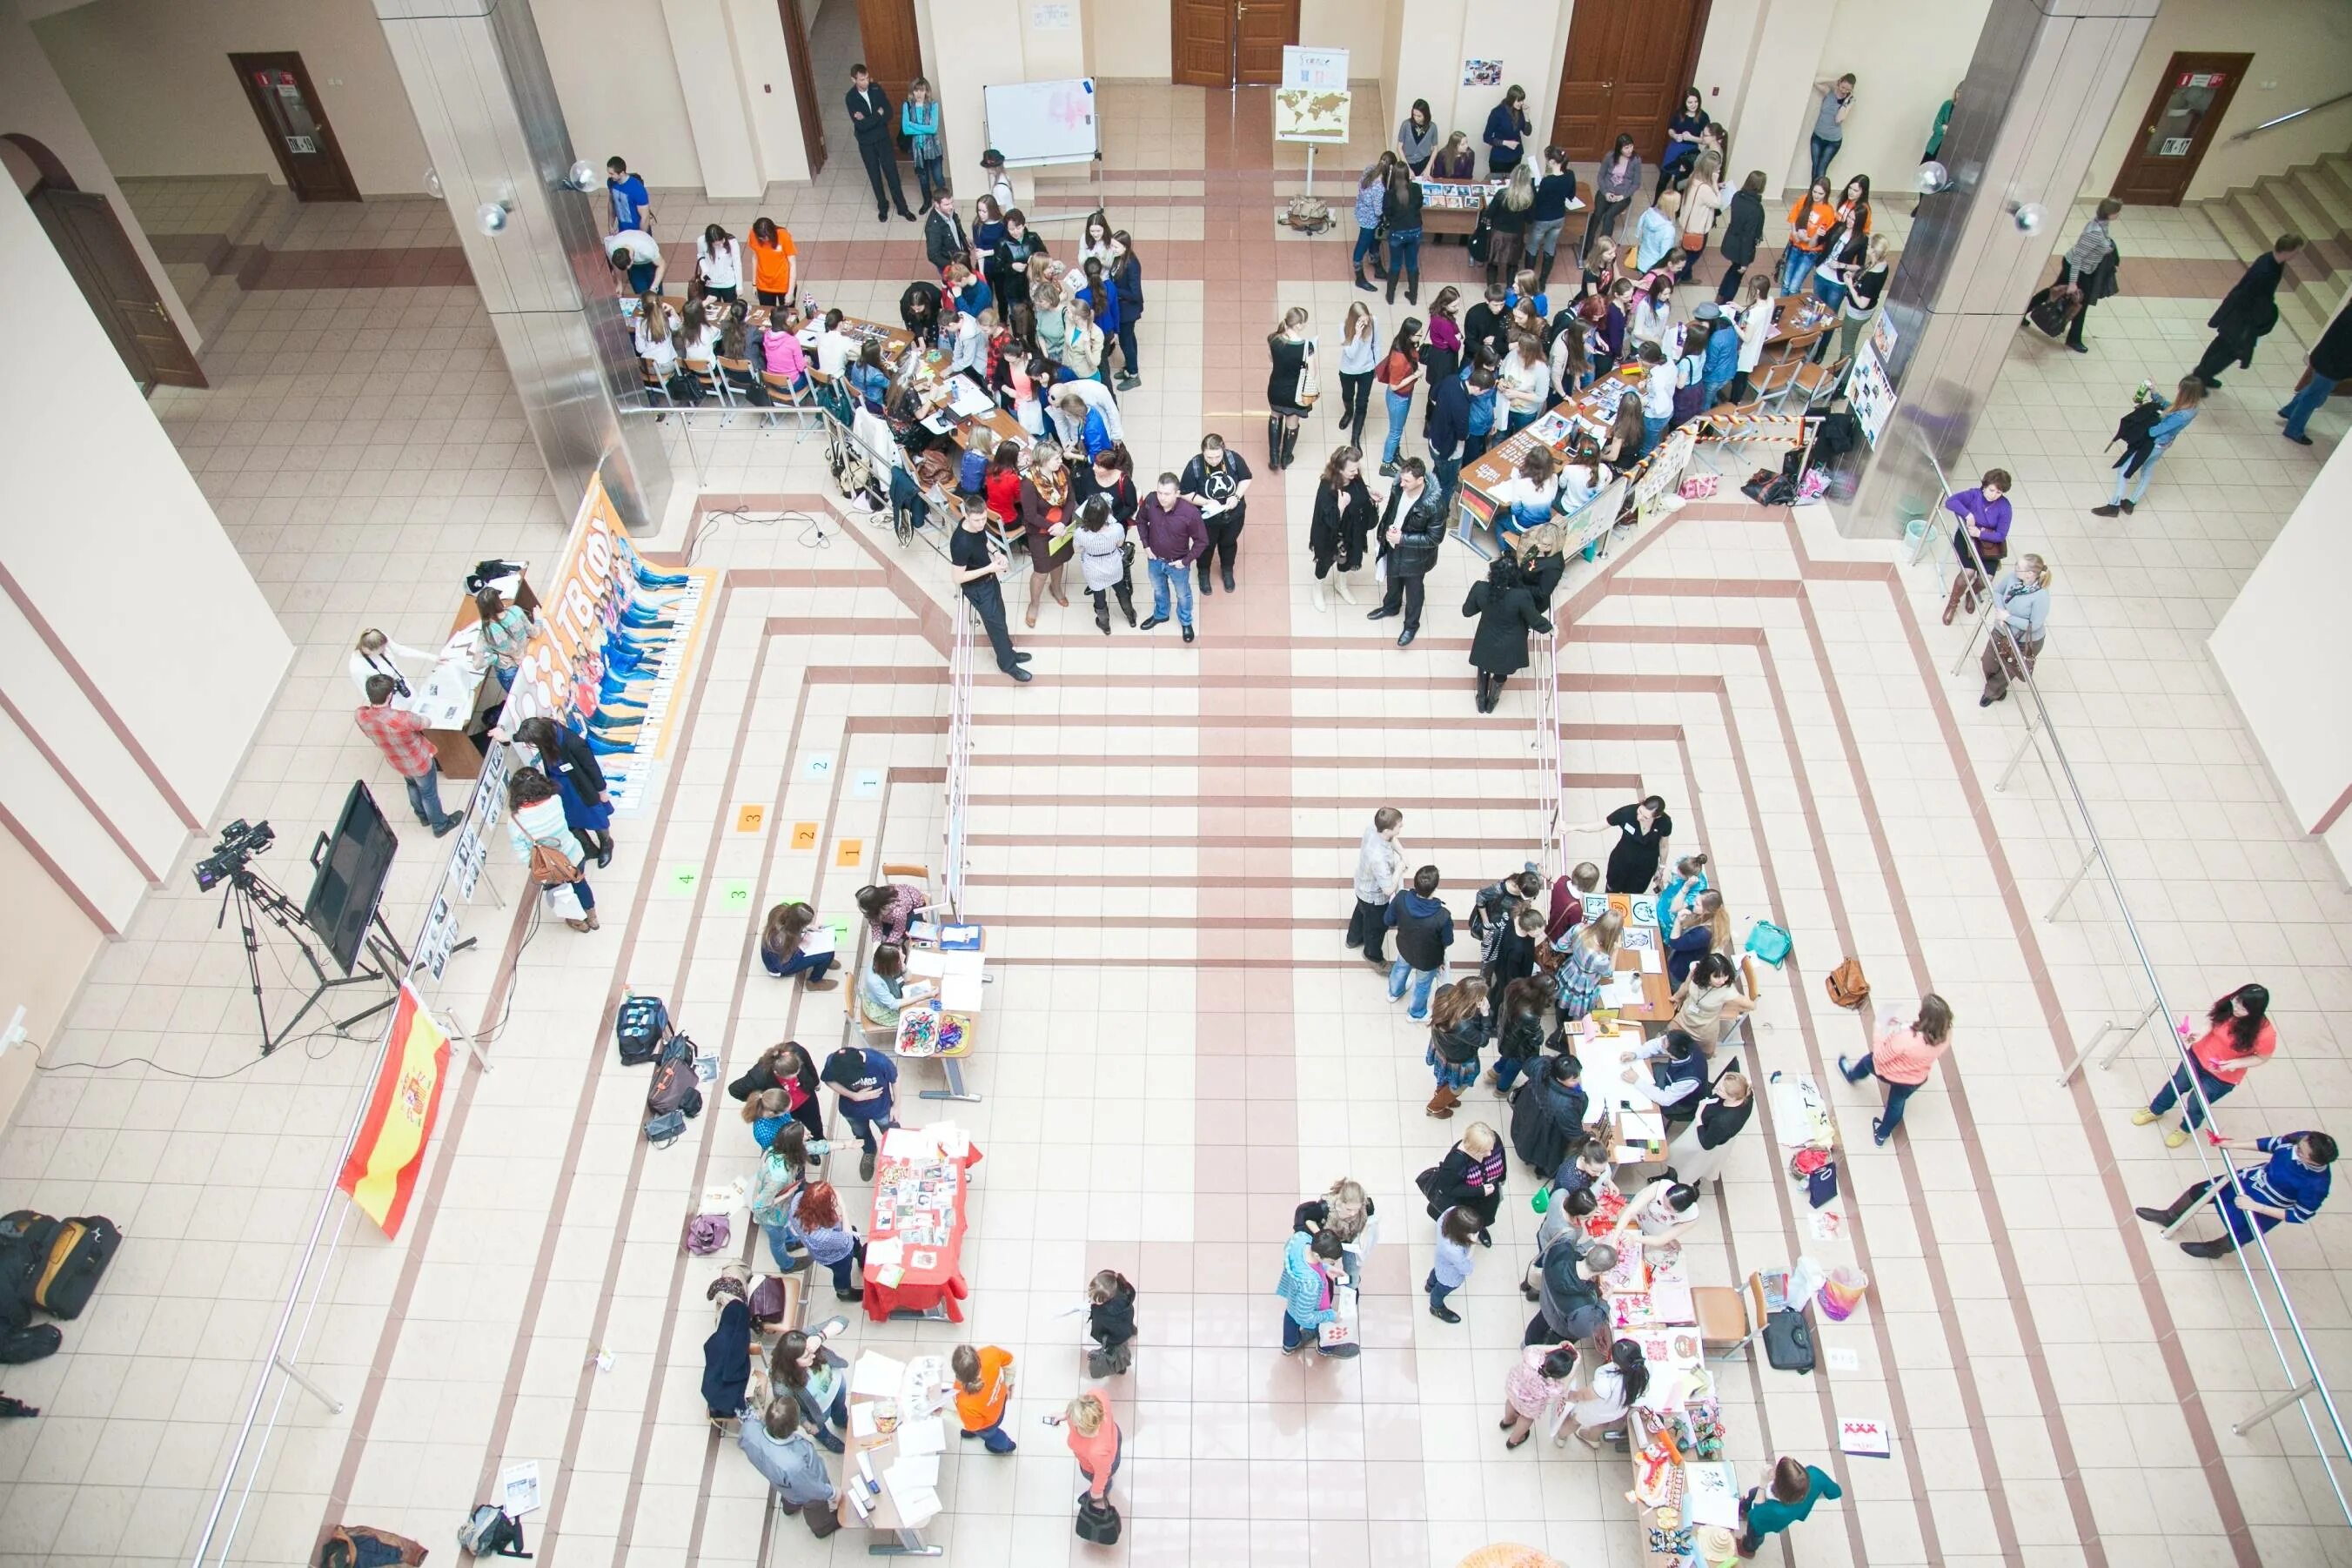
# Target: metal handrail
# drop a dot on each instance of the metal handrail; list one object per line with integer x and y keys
{"x": 956, "y": 834}
{"x": 2041, "y": 730}
{"x": 2290, "y": 114}
{"x": 1551, "y": 801}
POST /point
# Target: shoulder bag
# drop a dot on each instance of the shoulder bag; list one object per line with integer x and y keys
{"x": 1310, "y": 379}
{"x": 550, "y": 865}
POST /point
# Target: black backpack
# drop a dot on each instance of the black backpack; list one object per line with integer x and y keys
{"x": 1788, "y": 1341}
{"x": 673, "y": 1095}
{"x": 639, "y": 1030}
{"x": 490, "y": 1531}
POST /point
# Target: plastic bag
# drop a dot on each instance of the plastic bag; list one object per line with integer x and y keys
{"x": 562, "y": 901}
{"x": 1805, "y": 1278}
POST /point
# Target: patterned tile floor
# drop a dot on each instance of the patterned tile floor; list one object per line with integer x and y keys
{"x": 1178, "y": 1047}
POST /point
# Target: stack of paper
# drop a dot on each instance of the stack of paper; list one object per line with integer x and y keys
{"x": 877, "y": 1376}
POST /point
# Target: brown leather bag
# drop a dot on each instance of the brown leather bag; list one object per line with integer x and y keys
{"x": 1846, "y": 985}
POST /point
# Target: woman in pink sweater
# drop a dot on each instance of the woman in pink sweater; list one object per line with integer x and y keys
{"x": 1901, "y": 1060}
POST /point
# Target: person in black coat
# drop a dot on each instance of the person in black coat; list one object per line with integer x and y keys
{"x": 1110, "y": 1322}
{"x": 1508, "y": 610}
{"x": 1448, "y": 430}
{"x": 1548, "y": 1114}
{"x": 2247, "y": 313}
{"x": 1342, "y": 522}
{"x": 1741, "y": 233}
{"x": 1458, "y": 1185}
{"x": 944, "y": 239}
{"x": 1411, "y": 528}
{"x": 2331, "y": 362}
{"x": 777, "y": 1065}
{"x": 875, "y": 121}
{"x": 579, "y": 780}
{"x": 918, "y": 308}
{"x": 727, "y": 1360}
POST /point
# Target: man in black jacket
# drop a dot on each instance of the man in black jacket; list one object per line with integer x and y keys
{"x": 1449, "y": 427}
{"x": 2247, "y": 311}
{"x": 943, "y": 236}
{"x": 1410, "y": 529}
{"x": 873, "y": 118}
{"x": 2331, "y": 362}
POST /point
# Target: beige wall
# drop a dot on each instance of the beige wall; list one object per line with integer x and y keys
{"x": 735, "y": 87}
{"x": 1434, "y": 36}
{"x": 152, "y": 79}
{"x": 140, "y": 656}
{"x": 1127, "y": 39}
{"x": 2288, "y": 621}
{"x": 617, "y": 77}
{"x": 34, "y": 102}
{"x": 2303, "y": 54}
{"x": 47, "y": 945}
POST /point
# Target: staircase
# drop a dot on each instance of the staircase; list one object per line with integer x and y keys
{"x": 2313, "y": 200}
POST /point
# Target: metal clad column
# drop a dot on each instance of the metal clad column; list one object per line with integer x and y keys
{"x": 2039, "y": 94}
{"x": 478, "y": 78}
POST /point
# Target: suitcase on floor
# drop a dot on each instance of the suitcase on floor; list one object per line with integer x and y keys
{"x": 79, "y": 1254}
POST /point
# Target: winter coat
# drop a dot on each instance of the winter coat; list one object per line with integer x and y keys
{"x": 1423, "y": 530}
{"x": 1340, "y": 529}
{"x": 1102, "y": 556}
{"x": 1547, "y": 1119}
{"x": 1506, "y": 616}
{"x": 2251, "y": 307}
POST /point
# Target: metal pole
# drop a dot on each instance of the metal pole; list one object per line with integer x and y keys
{"x": 2091, "y": 1053}
{"x": 2293, "y": 1397}
{"x": 312, "y": 1389}
{"x": 2024, "y": 746}
{"x": 2076, "y": 880}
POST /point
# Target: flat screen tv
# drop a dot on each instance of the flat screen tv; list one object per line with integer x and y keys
{"x": 352, "y": 864}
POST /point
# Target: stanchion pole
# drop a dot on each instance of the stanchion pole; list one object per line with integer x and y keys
{"x": 2072, "y": 883}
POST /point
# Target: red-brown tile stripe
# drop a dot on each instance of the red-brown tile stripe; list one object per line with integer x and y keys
{"x": 2186, "y": 1394}
{"x": 95, "y": 698}
{"x": 429, "y": 1211}
{"x": 42, "y": 857}
{"x": 89, "y": 803}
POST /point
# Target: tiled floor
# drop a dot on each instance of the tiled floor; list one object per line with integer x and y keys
{"x": 1178, "y": 1046}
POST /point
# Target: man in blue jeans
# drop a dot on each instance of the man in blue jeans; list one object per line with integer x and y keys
{"x": 1173, "y": 536}
{"x": 2331, "y": 362}
{"x": 864, "y": 1078}
{"x": 1424, "y": 929}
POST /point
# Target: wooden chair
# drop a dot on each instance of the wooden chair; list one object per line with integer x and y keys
{"x": 1814, "y": 383}
{"x": 713, "y": 385}
{"x": 1730, "y": 1316}
{"x": 798, "y": 401}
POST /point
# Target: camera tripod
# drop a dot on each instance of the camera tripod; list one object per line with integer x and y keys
{"x": 249, "y": 891}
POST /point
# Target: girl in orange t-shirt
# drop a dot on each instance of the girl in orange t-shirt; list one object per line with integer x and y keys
{"x": 773, "y": 258}
{"x": 2239, "y": 1039}
{"x": 983, "y": 1378}
{"x": 1809, "y": 222}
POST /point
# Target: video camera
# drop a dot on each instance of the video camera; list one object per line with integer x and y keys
{"x": 240, "y": 841}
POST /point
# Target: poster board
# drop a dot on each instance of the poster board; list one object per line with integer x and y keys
{"x": 1034, "y": 123}
{"x": 1324, "y": 70}
{"x": 1868, "y": 392}
{"x": 1311, "y": 114}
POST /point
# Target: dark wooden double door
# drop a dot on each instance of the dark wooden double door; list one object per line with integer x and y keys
{"x": 1229, "y": 43}
{"x": 1629, "y": 63}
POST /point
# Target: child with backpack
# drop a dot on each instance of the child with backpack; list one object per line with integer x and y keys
{"x": 1110, "y": 1318}
{"x": 1457, "y": 1232}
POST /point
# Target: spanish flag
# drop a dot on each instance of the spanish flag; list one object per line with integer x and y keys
{"x": 379, "y": 1173}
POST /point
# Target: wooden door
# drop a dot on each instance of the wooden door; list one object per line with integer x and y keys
{"x": 894, "y": 51}
{"x": 1202, "y": 42}
{"x": 1262, "y": 30}
{"x": 296, "y": 127}
{"x": 796, "y": 48}
{"x": 2190, "y": 99}
{"x": 1627, "y": 64}
{"x": 91, "y": 241}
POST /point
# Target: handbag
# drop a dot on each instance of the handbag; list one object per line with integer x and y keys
{"x": 1097, "y": 1522}
{"x": 1846, "y": 986}
{"x": 550, "y": 865}
{"x": 1310, "y": 379}
{"x": 1769, "y": 942}
{"x": 1427, "y": 1182}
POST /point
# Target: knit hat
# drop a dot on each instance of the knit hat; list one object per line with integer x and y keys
{"x": 1715, "y": 1545}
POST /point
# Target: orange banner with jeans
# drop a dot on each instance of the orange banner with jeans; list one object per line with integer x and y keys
{"x": 380, "y": 1171}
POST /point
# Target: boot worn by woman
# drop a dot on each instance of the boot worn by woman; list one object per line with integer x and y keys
{"x": 1274, "y": 441}
{"x": 1413, "y": 287}
{"x": 1441, "y": 1103}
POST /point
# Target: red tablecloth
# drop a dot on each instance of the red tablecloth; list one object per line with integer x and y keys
{"x": 922, "y": 1290}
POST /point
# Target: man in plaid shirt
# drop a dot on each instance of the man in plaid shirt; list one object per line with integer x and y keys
{"x": 400, "y": 736}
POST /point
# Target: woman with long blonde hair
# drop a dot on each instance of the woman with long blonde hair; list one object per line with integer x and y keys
{"x": 1047, "y": 516}
{"x": 1290, "y": 350}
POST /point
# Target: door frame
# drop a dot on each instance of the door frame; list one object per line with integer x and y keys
{"x": 104, "y": 301}
{"x": 1176, "y": 45}
{"x": 1701, "y": 14}
{"x": 803, "y": 74}
{"x": 2236, "y": 64}
{"x": 330, "y": 146}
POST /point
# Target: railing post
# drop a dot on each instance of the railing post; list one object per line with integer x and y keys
{"x": 2091, "y": 1053}
{"x": 2073, "y": 881}
{"x": 332, "y": 1403}
{"x": 2024, "y": 746}
{"x": 2292, "y": 1397}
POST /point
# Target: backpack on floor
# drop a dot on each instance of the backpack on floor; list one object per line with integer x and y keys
{"x": 639, "y": 1030}
{"x": 20, "y": 1346}
{"x": 673, "y": 1094}
{"x": 79, "y": 1250}
{"x": 1788, "y": 1341}
{"x": 490, "y": 1531}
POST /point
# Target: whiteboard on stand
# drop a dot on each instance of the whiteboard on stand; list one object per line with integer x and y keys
{"x": 1039, "y": 122}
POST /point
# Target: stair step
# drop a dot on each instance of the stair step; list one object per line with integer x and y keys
{"x": 2320, "y": 190}
{"x": 2306, "y": 219}
{"x": 2259, "y": 214}
{"x": 2235, "y": 230}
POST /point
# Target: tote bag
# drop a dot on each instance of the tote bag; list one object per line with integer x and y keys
{"x": 1310, "y": 379}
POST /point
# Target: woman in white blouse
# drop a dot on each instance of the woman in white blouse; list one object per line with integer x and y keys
{"x": 376, "y": 654}
{"x": 1524, "y": 380}
{"x": 657, "y": 339}
{"x": 718, "y": 262}
{"x": 1752, "y": 318}
{"x": 1360, "y": 353}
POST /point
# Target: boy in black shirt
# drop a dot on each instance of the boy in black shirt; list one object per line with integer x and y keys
{"x": 977, "y": 569}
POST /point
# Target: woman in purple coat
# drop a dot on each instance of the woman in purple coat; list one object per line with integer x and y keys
{"x": 1984, "y": 514}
